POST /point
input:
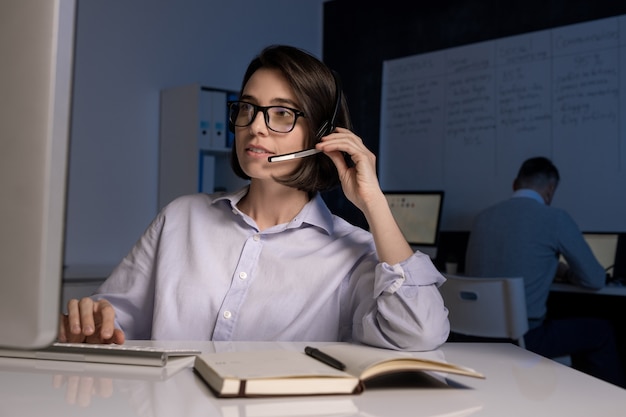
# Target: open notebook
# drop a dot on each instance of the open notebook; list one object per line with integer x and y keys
{"x": 147, "y": 355}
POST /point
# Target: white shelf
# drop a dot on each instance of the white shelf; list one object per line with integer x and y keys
{"x": 193, "y": 154}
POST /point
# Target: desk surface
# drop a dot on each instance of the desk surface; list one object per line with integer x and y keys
{"x": 519, "y": 383}
{"x": 611, "y": 289}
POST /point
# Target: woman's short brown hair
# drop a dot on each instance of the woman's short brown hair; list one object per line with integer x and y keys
{"x": 315, "y": 87}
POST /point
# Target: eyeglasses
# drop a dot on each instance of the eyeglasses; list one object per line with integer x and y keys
{"x": 280, "y": 119}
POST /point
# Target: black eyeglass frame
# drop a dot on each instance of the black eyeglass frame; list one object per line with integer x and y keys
{"x": 266, "y": 117}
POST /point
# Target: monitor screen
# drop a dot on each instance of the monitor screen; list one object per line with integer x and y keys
{"x": 604, "y": 247}
{"x": 418, "y": 214}
{"x": 37, "y": 49}
{"x": 619, "y": 269}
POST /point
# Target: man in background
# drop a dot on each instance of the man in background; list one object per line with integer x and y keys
{"x": 524, "y": 236}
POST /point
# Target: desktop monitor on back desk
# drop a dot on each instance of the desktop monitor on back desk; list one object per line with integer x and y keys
{"x": 37, "y": 49}
{"x": 418, "y": 214}
{"x": 619, "y": 267}
{"x": 604, "y": 247}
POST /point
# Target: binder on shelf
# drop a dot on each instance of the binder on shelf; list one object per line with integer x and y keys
{"x": 204, "y": 119}
{"x": 212, "y": 119}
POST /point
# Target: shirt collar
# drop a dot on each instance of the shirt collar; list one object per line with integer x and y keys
{"x": 233, "y": 197}
{"x": 315, "y": 212}
{"x": 528, "y": 193}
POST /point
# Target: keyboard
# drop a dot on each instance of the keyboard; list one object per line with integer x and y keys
{"x": 127, "y": 354}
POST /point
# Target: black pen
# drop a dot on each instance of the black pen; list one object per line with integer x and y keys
{"x": 322, "y": 357}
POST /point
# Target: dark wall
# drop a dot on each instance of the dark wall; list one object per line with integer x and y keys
{"x": 358, "y": 38}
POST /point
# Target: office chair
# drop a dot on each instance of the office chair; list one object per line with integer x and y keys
{"x": 486, "y": 307}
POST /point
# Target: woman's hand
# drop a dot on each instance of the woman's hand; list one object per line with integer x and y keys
{"x": 359, "y": 182}
{"x": 89, "y": 321}
{"x": 360, "y": 185}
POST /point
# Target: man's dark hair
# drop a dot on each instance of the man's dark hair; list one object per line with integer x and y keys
{"x": 537, "y": 171}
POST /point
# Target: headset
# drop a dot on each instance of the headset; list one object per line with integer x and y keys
{"x": 329, "y": 125}
{"x": 326, "y": 128}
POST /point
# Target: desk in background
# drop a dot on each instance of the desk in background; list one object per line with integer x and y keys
{"x": 609, "y": 302}
{"x": 519, "y": 383}
{"x": 611, "y": 289}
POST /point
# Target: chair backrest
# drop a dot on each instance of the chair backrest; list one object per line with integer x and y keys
{"x": 486, "y": 307}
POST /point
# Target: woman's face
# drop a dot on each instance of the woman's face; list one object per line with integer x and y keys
{"x": 256, "y": 142}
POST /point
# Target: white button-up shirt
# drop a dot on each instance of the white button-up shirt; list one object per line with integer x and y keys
{"x": 203, "y": 271}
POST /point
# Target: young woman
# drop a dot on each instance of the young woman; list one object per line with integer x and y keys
{"x": 269, "y": 261}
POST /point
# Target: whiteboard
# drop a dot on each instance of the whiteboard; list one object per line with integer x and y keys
{"x": 464, "y": 119}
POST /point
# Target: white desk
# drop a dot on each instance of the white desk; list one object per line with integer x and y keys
{"x": 519, "y": 383}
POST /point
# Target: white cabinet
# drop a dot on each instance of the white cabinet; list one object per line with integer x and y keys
{"x": 195, "y": 144}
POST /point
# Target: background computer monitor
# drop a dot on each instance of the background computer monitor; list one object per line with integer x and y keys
{"x": 418, "y": 214}
{"x": 604, "y": 247}
{"x": 37, "y": 49}
{"x": 619, "y": 269}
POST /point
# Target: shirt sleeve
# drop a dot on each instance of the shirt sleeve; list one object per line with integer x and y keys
{"x": 406, "y": 311}
{"x": 584, "y": 268}
{"x": 130, "y": 287}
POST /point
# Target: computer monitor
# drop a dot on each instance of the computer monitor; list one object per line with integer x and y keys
{"x": 418, "y": 214}
{"x": 37, "y": 50}
{"x": 604, "y": 247}
{"x": 619, "y": 269}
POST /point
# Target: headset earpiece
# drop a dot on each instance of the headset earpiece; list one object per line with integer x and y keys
{"x": 329, "y": 125}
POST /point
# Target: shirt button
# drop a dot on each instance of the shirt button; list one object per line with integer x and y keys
{"x": 256, "y": 238}
{"x": 243, "y": 275}
{"x": 227, "y": 314}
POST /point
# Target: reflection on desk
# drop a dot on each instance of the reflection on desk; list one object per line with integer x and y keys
{"x": 519, "y": 383}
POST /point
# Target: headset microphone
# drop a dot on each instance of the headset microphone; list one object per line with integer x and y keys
{"x": 326, "y": 128}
